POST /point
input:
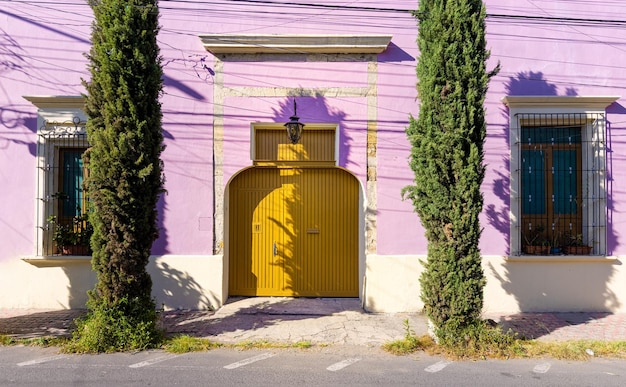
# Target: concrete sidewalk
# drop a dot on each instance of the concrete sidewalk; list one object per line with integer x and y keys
{"x": 338, "y": 321}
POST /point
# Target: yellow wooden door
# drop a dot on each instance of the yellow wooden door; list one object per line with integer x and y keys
{"x": 294, "y": 232}
{"x": 255, "y": 198}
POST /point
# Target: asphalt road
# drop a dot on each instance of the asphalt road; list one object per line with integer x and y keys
{"x": 33, "y": 366}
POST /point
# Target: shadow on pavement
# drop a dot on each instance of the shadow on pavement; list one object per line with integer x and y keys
{"x": 57, "y": 323}
{"x": 556, "y": 325}
{"x": 253, "y": 313}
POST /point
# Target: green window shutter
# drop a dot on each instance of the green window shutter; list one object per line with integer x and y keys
{"x": 72, "y": 183}
{"x": 564, "y": 181}
{"x": 533, "y": 182}
{"x": 551, "y": 135}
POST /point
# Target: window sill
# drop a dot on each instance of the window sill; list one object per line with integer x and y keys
{"x": 57, "y": 260}
{"x": 563, "y": 259}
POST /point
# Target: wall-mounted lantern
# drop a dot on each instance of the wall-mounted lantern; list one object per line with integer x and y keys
{"x": 294, "y": 127}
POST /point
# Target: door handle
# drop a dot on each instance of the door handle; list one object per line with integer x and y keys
{"x": 274, "y": 249}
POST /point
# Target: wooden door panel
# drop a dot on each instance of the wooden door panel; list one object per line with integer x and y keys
{"x": 294, "y": 232}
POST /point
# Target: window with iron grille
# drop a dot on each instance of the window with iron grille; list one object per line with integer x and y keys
{"x": 558, "y": 172}
{"x": 62, "y": 197}
{"x": 560, "y": 183}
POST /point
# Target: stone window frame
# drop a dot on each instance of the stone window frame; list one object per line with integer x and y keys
{"x": 558, "y": 106}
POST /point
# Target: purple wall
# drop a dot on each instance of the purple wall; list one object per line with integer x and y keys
{"x": 41, "y": 53}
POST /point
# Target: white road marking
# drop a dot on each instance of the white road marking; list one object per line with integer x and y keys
{"x": 152, "y": 361}
{"x": 249, "y": 361}
{"x": 438, "y": 366}
{"x": 542, "y": 368}
{"x": 342, "y": 364}
{"x": 42, "y": 360}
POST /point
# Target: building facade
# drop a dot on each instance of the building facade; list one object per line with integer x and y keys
{"x": 249, "y": 213}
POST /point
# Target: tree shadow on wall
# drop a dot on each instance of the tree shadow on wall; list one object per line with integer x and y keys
{"x": 574, "y": 286}
{"x": 160, "y": 246}
{"x": 526, "y": 83}
{"x": 177, "y": 289}
{"x": 612, "y": 136}
{"x": 313, "y": 108}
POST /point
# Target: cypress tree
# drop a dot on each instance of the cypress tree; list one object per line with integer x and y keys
{"x": 125, "y": 173}
{"x": 447, "y": 142}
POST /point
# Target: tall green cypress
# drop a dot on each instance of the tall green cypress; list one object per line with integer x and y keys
{"x": 125, "y": 180}
{"x": 447, "y": 156}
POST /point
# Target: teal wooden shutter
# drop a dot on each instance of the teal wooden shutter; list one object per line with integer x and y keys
{"x": 72, "y": 182}
{"x": 533, "y": 182}
{"x": 564, "y": 181}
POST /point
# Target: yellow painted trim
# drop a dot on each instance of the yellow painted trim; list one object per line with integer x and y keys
{"x": 257, "y": 127}
{"x": 294, "y": 164}
{"x": 281, "y": 126}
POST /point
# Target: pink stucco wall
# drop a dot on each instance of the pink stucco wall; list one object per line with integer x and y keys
{"x": 41, "y": 53}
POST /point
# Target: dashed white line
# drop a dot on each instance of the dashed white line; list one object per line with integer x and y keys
{"x": 437, "y": 366}
{"x": 249, "y": 361}
{"x": 342, "y": 364}
{"x": 152, "y": 361}
{"x": 42, "y": 360}
{"x": 542, "y": 368}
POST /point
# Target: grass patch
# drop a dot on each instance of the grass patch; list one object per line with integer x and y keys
{"x": 410, "y": 343}
{"x": 43, "y": 341}
{"x": 6, "y": 340}
{"x": 482, "y": 341}
{"x": 575, "y": 349}
{"x": 263, "y": 344}
{"x": 177, "y": 344}
{"x": 185, "y": 344}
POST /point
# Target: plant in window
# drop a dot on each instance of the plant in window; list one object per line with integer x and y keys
{"x": 535, "y": 241}
{"x": 576, "y": 245}
{"x": 556, "y": 242}
{"x": 71, "y": 238}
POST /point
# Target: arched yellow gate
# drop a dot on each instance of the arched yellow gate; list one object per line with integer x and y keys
{"x": 294, "y": 232}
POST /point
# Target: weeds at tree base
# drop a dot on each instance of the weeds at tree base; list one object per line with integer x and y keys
{"x": 124, "y": 326}
{"x": 485, "y": 342}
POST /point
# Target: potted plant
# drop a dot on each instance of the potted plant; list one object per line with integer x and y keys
{"x": 576, "y": 246}
{"x": 556, "y": 243}
{"x": 71, "y": 238}
{"x": 535, "y": 242}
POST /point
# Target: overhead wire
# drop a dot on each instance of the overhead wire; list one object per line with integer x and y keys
{"x": 290, "y": 4}
{"x": 367, "y": 14}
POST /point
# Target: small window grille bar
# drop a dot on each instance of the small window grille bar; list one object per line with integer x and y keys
{"x": 61, "y": 196}
{"x": 561, "y": 174}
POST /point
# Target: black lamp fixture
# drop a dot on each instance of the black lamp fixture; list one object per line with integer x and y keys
{"x": 294, "y": 127}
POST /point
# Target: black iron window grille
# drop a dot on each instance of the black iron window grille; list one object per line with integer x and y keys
{"x": 561, "y": 188}
{"x": 62, "y": 197}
